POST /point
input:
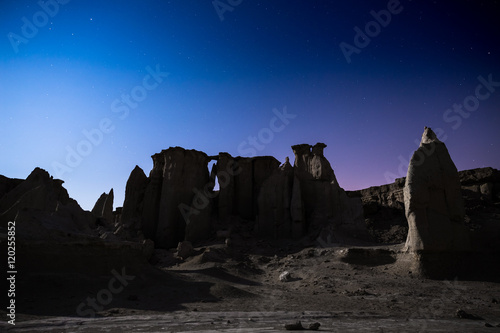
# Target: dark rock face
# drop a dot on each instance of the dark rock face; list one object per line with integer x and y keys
{"x": 319, "y": 189}
{"x": 326, "y": 208}
{"x": 54, "y": 234}
{"x": 7, "y": 184}
{"x": 185, "y": 175}
{"x": 384, "y": 211}
{"x": 481, "y": 193}
{"x": 152, "y": 196}
{"x": 177, "y": 202}
{"x": 103, "y": 208}
{"x": 131, "y": 213}
{"x": 38, "y": 202}
{"x": 274, "y": 202}
{"x": 240, "y": 181}
{"x": 433, "y": 200}
{"x": 174, "y": 203}
{"x": 307, "y": 199}
{"x": 482, "y": 184}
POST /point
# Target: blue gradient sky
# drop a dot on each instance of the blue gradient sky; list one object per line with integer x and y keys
{"x": 226, "y": 77}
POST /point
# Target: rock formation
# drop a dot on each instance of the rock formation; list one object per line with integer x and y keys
{"x": 131, "y": 213}
{"x": 183, "y": 204}
{"x": 177, "y": 203}
{"x": 483, "y": 184}
{"x": 274, "y": 202}
{"x": 43, "y": 201}
{"x": 54, "y": 234}
{"x": 384, "y": 208}
{"x": 103, "y": 208}
{"x": 7, "y": 184}
{"x": 174, "y": 204}
{"x": 307, "y": 199}
{"x": 152, "y": 196}
{"x": 240, "y": 180}
{"x": 320, "y": 201}
{"x": 319, "y": 190}
{"x": 481, "y": 193}
{"x": 433, "y": 200}
{"x": 384, "y": 211}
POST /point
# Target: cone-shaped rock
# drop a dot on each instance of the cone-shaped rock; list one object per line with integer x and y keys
{"x": 103, "y": 208}
{"x": 134, "y": 197}
{"x": 433, "y": 201}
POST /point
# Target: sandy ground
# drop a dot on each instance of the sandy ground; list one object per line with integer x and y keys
{"x": 238, "y": 289}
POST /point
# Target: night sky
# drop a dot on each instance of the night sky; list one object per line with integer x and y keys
{"x": 89, "y": 89}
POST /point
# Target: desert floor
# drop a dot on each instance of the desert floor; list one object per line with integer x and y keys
{"x": 237, "y": 289}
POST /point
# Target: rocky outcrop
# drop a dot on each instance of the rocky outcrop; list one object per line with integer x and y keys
{"x": 433, "y": 200}
{"x": 384, "y": 211}
{"x": 176, "y": 202}
{"x": 41, "y": 202}
{"x": 482, "y": 184}
{"x": 183, "y": 206}
{"x": 319, "y": 190}
{"x": 240, "y": 180}
{"x": 319, "y": 204}
{"x": 274, "y": 204}
{"x": 307, "y": 199}
{"x": 54, "y": 234}
{"x": 152, "y": 196}
{"x": 131, "y": 213}
{"x": 481, "y": 193}
{"x": 7, "y": 184}
{"x": 103, "y": 209}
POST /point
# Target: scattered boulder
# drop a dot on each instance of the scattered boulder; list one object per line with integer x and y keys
{"x": 297, "y": 326}
{"x": 465, "y": 315}
{"x": 185, "y": 249}
{"x": 223, "y": 234}
{"x": 285, "y": 276}
{"x": 314, "y": 326}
